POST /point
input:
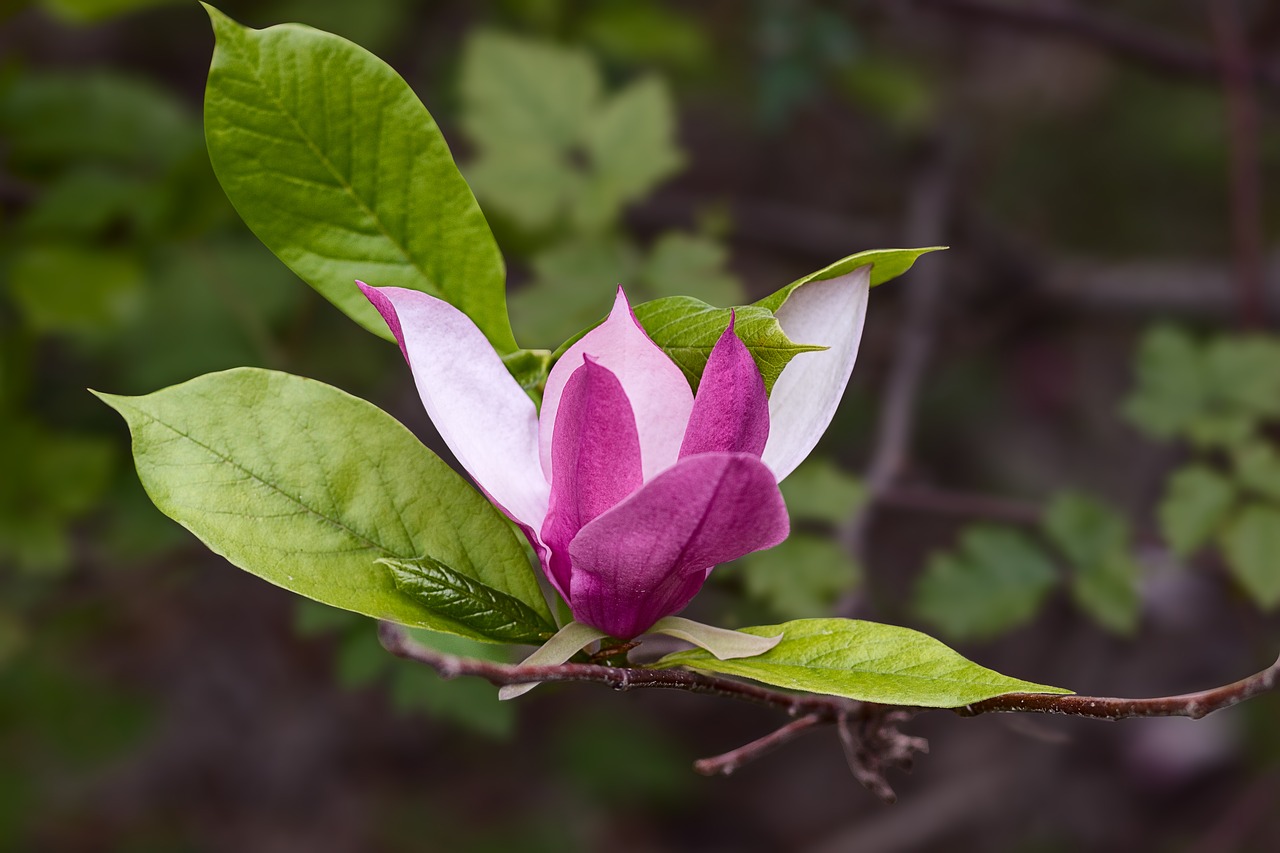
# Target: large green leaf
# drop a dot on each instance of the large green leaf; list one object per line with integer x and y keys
{"x": 993, "y": 583}
{"x": 866, "y": 661}
{"x": 336, "y": 165}
{"x": 688, "y": 328}
{"x": 1251, "y": 542}
{"x": 886, "y": 264}
{"x": 308, "y": 487}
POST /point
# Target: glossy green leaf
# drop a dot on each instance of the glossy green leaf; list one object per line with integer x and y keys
{"x": 995, "y": 582}
{"x": 307, "y": 487}
{"x": 687, "y": 329}
{"x": 886, "y": 264}
{"x": 338, "y": 168}
{"x": 1097, "y": 543}
{"x": 1251, "y": 542}
{"x": 1257, "y": 468}
{"x": 866, "y": 661}
{"x": 1196, "y": 503}
{"x": 498, "y": 616}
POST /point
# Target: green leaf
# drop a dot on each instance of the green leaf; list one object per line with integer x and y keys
{"x": 631, "y": 144}
{"x": 820, "y": 491}
{"x": 1251, "y": 542}
{"x": 338, "y": 168}
{"x": 994, "y": 583}
{"x": 1244, "y": 373}
{"x": 93, "y": 11}
{"x": 804, "y": 575}
{"x": 496, "y": 615}
{"x": 1097, "y": 541}
{"x": 1170, "y": 388}
{"x": 529, "y": 367}
{"x": 886, "y": 264}
{"x": 866, "y": 661}
{"x": 1257, "y": 468}
{"x": 1194, "y": 506}
{"x": 65, "y": 287}
{"x": 690, "y": 265}
{"x": 307, "y": 487}
{"x": 686, "y": 329}
{"x": 572, "y": 288}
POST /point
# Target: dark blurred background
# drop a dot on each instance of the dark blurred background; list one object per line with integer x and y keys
{"x": 1058, "y": 451}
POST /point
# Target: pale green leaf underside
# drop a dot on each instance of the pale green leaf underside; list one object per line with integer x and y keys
{"x": 338, "y": 168}
{"x": 307, "y": 487}
{"x": 866, "y": 661}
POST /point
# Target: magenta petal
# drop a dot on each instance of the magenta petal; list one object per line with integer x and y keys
{"x": 731, "y": 410}
{"x": 649, "y": 555}
{"x": 596, "y": 459}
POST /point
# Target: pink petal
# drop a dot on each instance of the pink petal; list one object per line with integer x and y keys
{"x": 656, "y": 387}
{"x": 649, "y": 555}
{"x": 480, "y": 411}
{"x": 596, "y": 453}
{"x": 828, "y": 313}
{"x": 731, "y": 410}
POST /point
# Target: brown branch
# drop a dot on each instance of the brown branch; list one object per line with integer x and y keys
{"x": 876, "y": 746}
{"x": 1193, "y": 705}
{"x": 962, "y": 504}
{"x": 1245, "y": 181}
{"x": 1156, "y": 51}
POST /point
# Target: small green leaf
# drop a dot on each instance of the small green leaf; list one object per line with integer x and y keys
{"x": 338, "y": 168}
{"x": 1244, "y": 374}
{"x": 1097, "y": 542}
{"x": 1170, "y": 385}
{"x": 1251, "y": 542}
{"x": 994, "y": 583}
{"x": 886, "y": 264}
{"x": 306, "y": 487}
{"x": 686, "y": 329}
{"x": 1194, "y": 507}
{"x": 529, "y": 367}
{"x": 492, "y": 614}
{"x": 1257, "y": 468}
{"x": 866, "y": 661}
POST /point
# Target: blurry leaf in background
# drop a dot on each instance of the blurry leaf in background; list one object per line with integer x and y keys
{"x": 13, "y": 636}
{"x": 306, "y": 487}
{"x": 1098, "y": 544}
{"x": 573, "y": 287}
{"x": 690, "y": 265}
{"x": 87, "y": 202}
{"x": 326, "y": 153}
{"x": 622, "y": 761}
{"x": 93, "y": 11}
{"x": 1251, "y": 543}
{"x": 552, "y": 147}
{"x": 49, "y": 479}
{"x": 73, "y": 288}
{"x": 896, "y": 90}
{"x": 994, "y": 582}
{"x": 1196, "y": 502}
{"x": 647, "y": 33}
{"x": 1257, "y": 468}
{"x": 469, "y": 703}
{"x": 1169, "y": 383}
{"x": 866, "y": 661}
{"x": 804, "y": 575}
{"x": 820, "y": 491}
{"x": 48, "y": 120}
{"x": 798, "y": 44}
{"x": 373, "y": 24}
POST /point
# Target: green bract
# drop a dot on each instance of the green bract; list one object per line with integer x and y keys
{"x": 865, "y": 661}
{"x": 338, "y": 167}
{"x": 309, "y": 487}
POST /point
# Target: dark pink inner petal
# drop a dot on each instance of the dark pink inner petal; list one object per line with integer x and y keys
{"x": 648, "y": 556}
{"x": 595, "y": 452}
{"x": 731, "y": 411}
{"x": 388, "y": 312}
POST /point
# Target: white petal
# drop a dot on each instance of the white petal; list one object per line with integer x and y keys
{"x": 721, "y": 642}
{"x": 828, "y": 313}
{"x": 659, "y": 394}
{"x": 481, "y": 412}
{"x": 566, "y": 643}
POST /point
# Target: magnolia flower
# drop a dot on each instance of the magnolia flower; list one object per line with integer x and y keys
{"x": 630, "y": 487}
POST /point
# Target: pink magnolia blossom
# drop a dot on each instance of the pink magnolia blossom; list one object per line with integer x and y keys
{"x": 630, "y": 487}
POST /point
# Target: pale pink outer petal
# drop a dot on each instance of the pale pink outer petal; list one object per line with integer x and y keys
{"x": 597, "y": 460}
{"x": 480, "y": 411}
{"x": 731, "y": 409}
{"x": 649, "y": 555}
{"x": 659, "y": 393}
{"x": 827, "y": 313}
